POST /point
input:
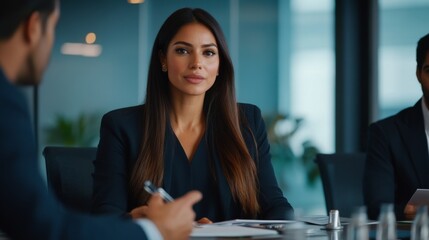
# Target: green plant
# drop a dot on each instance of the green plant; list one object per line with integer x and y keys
{"x": 81, "y": 131}
{"x": 281, "y": 129}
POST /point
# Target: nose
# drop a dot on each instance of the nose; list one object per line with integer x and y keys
{"x": 196, "y": 62}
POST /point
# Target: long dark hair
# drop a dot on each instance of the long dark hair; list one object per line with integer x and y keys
{"x": 220, "y": 108}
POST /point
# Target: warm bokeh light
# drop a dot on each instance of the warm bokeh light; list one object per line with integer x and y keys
{"x": 90, "y": 38}
{"x": 135, "y": 1}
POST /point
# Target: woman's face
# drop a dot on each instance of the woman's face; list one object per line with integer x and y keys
{"x": 192, "y": 60}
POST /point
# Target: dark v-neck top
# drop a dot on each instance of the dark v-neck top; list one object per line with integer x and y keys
{"x": 119, "y": 147}
{"x": 196, "y": 175}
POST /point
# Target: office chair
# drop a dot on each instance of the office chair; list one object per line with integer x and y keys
{"x": 69, "y": 175}
{"x": 342, "y": 176}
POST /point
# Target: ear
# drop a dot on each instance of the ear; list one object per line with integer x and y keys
{"x": 418, "y": 72}
{"x": 162, "y": 58}
{"x": 33, "y": 29}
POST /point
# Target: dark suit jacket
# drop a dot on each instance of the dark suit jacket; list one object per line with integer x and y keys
{"x": 397, "y": 161}
{"x": 120, "y": 139}
{"x": 27, "y": 209}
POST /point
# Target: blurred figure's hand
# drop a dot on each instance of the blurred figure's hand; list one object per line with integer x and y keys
{"x": 204, "y": 220}
{"x": 410, "y": 211}
{"x": 174, "y": 220}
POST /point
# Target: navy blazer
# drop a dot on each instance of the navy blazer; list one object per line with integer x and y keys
{"x": 27, "y": 209}
{"x": 397, "y": 161}
{"x": 120, "y": 139}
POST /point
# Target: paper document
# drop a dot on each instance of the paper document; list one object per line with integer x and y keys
{"x": 211, "y": 230}
{"x": 252, "y": 221}
{"x": 322, "y": 220}
{"x": 420, "y": 197}
{"x": 316, "y": 219}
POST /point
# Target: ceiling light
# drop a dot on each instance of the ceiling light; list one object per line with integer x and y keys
{"x": 135, "y": 1}
{"x": 90, "y": 38}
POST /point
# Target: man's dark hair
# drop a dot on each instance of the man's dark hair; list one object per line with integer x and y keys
{"x": 422, "y": 50}
{"x": 14, "y": 12}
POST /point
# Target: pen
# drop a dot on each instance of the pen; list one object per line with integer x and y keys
{"x": 150, "y": 188}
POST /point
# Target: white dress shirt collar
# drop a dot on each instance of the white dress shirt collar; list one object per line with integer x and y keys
{"x": 425, "y": 111}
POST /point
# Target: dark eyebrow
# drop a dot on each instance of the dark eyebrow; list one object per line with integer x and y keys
{"x": 190, "y": 45}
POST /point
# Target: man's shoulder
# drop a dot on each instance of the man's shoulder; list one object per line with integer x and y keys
{"x": 10, "y": 95}
{"x": 13, "y": 104}
{"x": 405, "y": 116}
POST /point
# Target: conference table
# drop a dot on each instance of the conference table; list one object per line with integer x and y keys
{"x": 315, "y": 230}
{"x": 311, "y": 231}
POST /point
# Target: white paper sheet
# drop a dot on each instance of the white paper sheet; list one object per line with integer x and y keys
{"x": 211, "y": 230}
{"x": 314, "y": 219}
{"x": 251, "y": 221}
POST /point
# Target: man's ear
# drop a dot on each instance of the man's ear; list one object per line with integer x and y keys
{"x": 418, "y": 74}
{"x": 33, "y": 29}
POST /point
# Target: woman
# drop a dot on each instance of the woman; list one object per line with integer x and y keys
{"x": 189, "y": 134}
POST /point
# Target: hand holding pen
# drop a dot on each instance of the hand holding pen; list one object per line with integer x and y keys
{"x": 173, "y": 218}
{"x": 141, "y": 211}
{"x": 152, "y": 189}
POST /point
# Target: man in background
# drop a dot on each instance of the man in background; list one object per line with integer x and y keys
{"x": 398, "y": 154}
{"x": 27, "y": 209}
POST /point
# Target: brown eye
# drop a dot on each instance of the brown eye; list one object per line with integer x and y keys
{"x": 181, "y": 51}
{"x": 209, "y": 53}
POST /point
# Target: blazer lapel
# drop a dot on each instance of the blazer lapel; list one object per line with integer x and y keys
{"x": 415, "y": 140}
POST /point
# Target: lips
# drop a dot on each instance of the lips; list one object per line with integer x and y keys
{"x": 194, "y": 79}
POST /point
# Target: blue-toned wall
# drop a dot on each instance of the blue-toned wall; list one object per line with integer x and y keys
{"x": 400, "y": 29}
{"x": 258, "y": 54}
{"x": 75, "y": 84}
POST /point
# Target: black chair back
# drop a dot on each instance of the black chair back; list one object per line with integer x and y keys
{"x": 342, "y": 176}
{"x": 69, "y": 175}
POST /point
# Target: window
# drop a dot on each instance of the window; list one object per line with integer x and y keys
{"x": 402, "y": 24}
{"x": 307, "y": 90}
